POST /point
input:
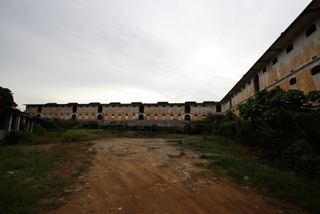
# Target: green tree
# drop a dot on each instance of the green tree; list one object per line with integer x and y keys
{"x": 6, "y": 98}
{"x": 266, "y": 105}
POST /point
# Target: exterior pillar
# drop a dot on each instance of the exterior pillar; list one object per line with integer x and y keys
{"x": 31, "y": 124}
{"x": 17, "y": 122}
{"x": 9, "y": 123}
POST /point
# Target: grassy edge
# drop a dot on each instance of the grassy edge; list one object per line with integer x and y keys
{"x": 236, "y": 163}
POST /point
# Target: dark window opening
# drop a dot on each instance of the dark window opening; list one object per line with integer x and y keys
{"x": 275, "y": 60}
{"x": 163, "y": 115}
{"x": 100, "y": 109}
{"x": 140, "y": 117}
{"x": 179, "y": 105}
{"x": 230, "y": 104}
{"x": 179, "y": 115}
{"x": 126, "y": 114}
{"x": 204, "y": 115}
{"x": 119, "y": 114}
{"x": 249, "y": 82}
{"x": 256, "y": 83}
{"x": 112, "y": 115}
{"x": 155, "y": 115}
{"x": 195, "y": 115}
{"x": 310, "y": 30}
{"x": 148, "y": 115}
{"x": 289, "y": 48}
{"x": 99, "y": 117}
{"x": 187, "y": 117}
{"x": 187, "y": 109}
{"x": 74, "y": 117}
{"x": 218, "y": 107}
{"x": 264, "y": 69}
{"x": 141, "y": 109}
{"x": 39, "y": 109}
{"x": 315, "y": 70}
{"x": 171, "y": 115}
{"x": 171, "y": 105}
{"x": 293, "y": 81}
{"x": 163, "y": 105}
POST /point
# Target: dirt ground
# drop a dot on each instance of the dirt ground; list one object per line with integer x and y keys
{"x": 148, "y": 176}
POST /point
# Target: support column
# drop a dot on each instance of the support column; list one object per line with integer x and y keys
{"x": 17, "y": 122}
{"x": 31, "y": 124}
{"x": 8, "y": 128}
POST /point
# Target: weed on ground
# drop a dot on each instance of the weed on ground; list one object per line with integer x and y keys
{"x": 32, "y": 180}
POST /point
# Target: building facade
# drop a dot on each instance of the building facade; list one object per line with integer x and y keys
{"x": 291, "y": 62}
{"x": 115, "y": 111}
{"x": 12, "y": 119}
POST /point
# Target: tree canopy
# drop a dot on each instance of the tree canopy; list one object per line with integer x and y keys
{"x": 265, "y": 105}
{"x": 6, "y": 98}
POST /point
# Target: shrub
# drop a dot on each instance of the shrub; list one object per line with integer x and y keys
{"x": 17, "y": 137}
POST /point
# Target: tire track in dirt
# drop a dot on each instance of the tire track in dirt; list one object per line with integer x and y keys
{"x": 138, "y": 176}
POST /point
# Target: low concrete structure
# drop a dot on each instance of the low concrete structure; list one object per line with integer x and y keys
{"x": 14, "y": 119}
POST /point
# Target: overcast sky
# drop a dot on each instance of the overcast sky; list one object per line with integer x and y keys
{"x": 134, "y": 50}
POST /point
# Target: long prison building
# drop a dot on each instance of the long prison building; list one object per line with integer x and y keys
{"x": 291, "y": 62}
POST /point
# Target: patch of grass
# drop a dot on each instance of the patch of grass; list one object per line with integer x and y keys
{"x": 75, "y": 135}
{"x": 182, "y": 153}
{"x": 32, "y": 180}
{"x": 245, "y": 169}
{"x": 215, "y": 145}
{"x": 168, "y": 136}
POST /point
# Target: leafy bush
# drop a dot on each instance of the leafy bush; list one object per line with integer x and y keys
{"x": 17, "y": 137}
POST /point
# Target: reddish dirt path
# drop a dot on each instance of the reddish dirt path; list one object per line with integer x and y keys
{"x": 144, "y": 176}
